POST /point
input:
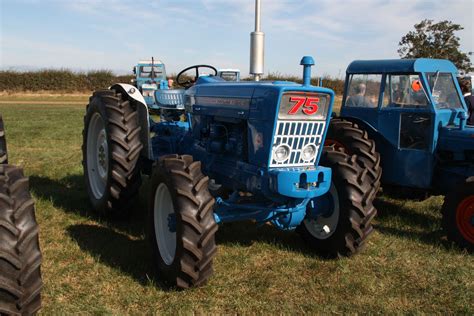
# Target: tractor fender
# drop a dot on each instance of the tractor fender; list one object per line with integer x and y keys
{"x": 131, "y": 91}
{"x": 136, "y": 97}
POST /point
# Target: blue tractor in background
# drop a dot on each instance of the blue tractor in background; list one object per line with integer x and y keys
{"x": 229, "y": 74}
{"x": 408, "y": 118}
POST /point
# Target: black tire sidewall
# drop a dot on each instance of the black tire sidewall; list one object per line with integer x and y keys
{"x": 97, "y": 106}
{"x": 167, "y": 272}
{"x": 449, "y": 212}
{"x": 337, "y": 239}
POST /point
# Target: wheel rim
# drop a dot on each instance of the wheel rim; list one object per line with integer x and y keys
{"x": 324, "y": 225}
{"x": 97, "y": 156}
{"x": 465, "y": 218}
{"x": 163, "y": 211}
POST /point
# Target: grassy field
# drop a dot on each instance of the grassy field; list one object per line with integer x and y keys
{"x": 96, "y": 266}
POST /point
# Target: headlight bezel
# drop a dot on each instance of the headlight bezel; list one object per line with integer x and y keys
{"x": 313, "y": 154}
{"x": 275, "y": 152}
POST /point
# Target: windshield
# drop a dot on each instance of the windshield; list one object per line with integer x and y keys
{"x": 146, "y": 72}
{"x": 444, "y": 91}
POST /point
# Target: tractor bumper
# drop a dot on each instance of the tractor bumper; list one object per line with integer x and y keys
{"x": 300, "y": 183}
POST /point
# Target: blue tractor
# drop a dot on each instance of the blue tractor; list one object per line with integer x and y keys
{"x": 408, "y": 118}
{"x": 221, "y": 152}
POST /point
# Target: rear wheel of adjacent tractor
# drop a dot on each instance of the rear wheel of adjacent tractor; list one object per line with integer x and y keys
{"x": 343, "y": 230}
{"x": 111, "y": 149}
{"x": 3, "y": 144}
{"x": 458, "y": 215}
{"x": 20, "y": 254}
{"x": 181, "y": 222}
{"x": 353, "y": 140}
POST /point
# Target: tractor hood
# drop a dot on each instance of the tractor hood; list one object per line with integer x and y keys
{"x": 454, "y": 139}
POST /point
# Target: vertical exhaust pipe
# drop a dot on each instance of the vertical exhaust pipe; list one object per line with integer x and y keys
{"x": 257, "y": 39}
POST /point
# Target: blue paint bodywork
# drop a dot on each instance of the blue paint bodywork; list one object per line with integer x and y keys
{"x": 445, "y": 155}
{"x": 230, "y": 129}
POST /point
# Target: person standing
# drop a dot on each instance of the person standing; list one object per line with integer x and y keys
{"x": 469, "y": 99}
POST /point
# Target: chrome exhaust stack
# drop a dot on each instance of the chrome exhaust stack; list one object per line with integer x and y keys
{"x": 257, "y": 45}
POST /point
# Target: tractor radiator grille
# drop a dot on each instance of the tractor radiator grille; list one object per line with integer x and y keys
{"x": 297, "y": 135}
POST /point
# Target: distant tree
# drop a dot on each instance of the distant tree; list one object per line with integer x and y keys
{"x": 435, "y": 40}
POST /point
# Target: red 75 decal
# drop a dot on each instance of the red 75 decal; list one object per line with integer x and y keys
{"x": 310, "y": 105}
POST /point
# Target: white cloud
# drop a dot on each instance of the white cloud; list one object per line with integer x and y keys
{"x": 183, "y": 32}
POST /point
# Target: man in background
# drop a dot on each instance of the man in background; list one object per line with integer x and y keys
{"x": 468, "y": 98}
{"x": 359, "y": 98}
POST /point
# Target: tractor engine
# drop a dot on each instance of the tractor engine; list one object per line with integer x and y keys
{"x": 260, "y": 137}
{"x": 224, "y": 137}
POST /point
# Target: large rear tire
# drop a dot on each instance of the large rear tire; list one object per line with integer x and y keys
{"x": 20, "y": 254}
{"x": 181, "y": 221}
{"x": 344, "y": 230}
{"x": 458, "y": 215}
{"x": 111, "y": 149}
{"x": 3, "y": 144}
{"x": 348, "y": 136}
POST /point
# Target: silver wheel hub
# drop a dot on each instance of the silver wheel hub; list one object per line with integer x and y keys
{"x": 97, "y": 156}
{"x": 323, "y": 226}
{"x": 165, "y": 229}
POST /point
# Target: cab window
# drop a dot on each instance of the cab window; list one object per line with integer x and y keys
{"x": 149, "y": 71}
{"x": 405, "y": 91}
{"x": 364, "y": 91}
{"x": 444, "y": 91}
{"x": 229, "y": 76}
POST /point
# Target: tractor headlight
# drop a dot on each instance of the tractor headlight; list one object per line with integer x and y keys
{"x": 308, "y": 152}
{"x": 281, "y": 153}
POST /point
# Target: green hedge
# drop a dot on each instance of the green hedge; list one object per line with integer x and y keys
{"x": 65, "y": 80}
{"x": 58, "y": 80}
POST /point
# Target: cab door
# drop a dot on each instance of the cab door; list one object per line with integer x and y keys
{"x": 406, "y": 120}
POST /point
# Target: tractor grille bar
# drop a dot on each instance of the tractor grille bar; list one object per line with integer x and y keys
{"x": 297, "y": 135}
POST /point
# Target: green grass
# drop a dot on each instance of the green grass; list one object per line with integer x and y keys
{"x": 94, "y": 266}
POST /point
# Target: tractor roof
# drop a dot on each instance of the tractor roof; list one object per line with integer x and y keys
{"x": 146, "y": 62}
{"x": 401, "y": 66}
{"x": 228, "y": 69}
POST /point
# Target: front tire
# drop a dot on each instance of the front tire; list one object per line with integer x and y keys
{"x": 344, "y": 230}
{"x": 181, "y": 222}
{"x": 458, "y": 215}
{"x": 20, "y": 254}
{"x": 111, "y": 149}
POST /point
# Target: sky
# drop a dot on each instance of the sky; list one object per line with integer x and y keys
{"x": 87, "y": 35}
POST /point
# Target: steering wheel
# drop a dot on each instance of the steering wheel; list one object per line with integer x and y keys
{"x": 184, "y": 82}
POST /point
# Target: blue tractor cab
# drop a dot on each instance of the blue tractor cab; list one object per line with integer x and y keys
{"x": 150, "y": 77}
{"x": 414, "y": 113}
